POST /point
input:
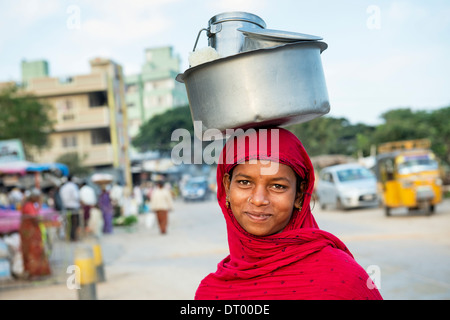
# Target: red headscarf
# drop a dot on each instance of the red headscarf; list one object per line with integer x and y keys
{"x": 301, "y": 262}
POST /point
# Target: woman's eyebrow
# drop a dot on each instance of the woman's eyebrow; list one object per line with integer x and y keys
{"x": 280, "y": 178}
{"x": 241, "y": 175}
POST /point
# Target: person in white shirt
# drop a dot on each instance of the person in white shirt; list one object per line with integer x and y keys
{"x": 88, "y": 199}
{"x": 70, "y": 196}
{"x": 161, "y": 203}
{"x": 117, "y": 196}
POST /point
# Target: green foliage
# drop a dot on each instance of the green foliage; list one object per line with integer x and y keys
{"x": 75, "y": 164}
{"x": 156, "y": 133}
{"x": 440, "y": 133}
{"x": 24, "y": 117}
{"x": 125, "y": 221}
{"x": 402, "y": 124}
{"x": 325, "y": 135}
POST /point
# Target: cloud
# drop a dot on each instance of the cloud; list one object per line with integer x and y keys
{"x": 403, "y": 11}
{"x": 124, "y": 21}
{"x": 124, "y": 31}
{"x": 238, "y": 5}
{"x": 22, "y": 14}
{"x": 423, "y": 17}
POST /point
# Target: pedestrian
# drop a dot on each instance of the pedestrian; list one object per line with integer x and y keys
{"x": 4, "y": 200}
{"x": 16, "y": 197}
{"x": 139, "y": 197}
{"x": 95, "y": 224}
{"x": 70, "y": 196}
{"x": 57, "y": 201}
{"x": 277, "y": 251}
{"x": 34, "y": 255}
{"x": 88, "y": 200}
{"x": 117, "y": 194}
{"x": 161, "y": 203}
{"x": 105, "y": 205}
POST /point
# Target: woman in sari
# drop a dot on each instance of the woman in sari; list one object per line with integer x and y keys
{"x": 105, "y": 205}
{"x": 277, "y": 251}
{"x": 34, "y": 255}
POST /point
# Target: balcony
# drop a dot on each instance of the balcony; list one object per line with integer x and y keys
{"x": 97, "y": 155}
{"x": 85, "y": 119}
{"x": 46, "y": 87}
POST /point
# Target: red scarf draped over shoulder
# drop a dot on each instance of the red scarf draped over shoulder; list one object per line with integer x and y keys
{"x": 301, "y": 262}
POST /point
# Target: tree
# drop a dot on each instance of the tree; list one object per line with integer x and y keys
{"x": 75, "y": 164}
{"x": 24, "y": 117}
{"x": 156, "y": 133}
{"x": 440, "y": 133}
{"x": 402, "y": 124}
{"x": 328, "y": 135}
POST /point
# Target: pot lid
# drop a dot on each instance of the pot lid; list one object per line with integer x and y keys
{"x": 237, "y": 16}
{"x": 278, "y": 35}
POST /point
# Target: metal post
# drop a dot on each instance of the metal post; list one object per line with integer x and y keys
{"x": 98, "y": 261}
{"x": 84, "y": 260}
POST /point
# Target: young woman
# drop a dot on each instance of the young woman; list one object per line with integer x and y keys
{"x": 277, "y": 251}
{"x": 35, "y": 258}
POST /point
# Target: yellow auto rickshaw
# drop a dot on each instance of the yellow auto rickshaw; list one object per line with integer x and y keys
{"x": 408, "y": 176}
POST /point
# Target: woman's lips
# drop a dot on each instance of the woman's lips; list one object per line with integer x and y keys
{"x": 258, "y": 217}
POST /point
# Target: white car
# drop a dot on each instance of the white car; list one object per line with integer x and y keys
{"x": 196, "y": 188}
{"x": 346, "y": 186}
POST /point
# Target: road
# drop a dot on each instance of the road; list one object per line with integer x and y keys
{"x": 408, "y": 255}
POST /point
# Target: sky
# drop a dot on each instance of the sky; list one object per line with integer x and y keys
{"x": 381, "y": 55}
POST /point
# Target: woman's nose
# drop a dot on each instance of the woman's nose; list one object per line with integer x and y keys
{"x": 259, "y": 197}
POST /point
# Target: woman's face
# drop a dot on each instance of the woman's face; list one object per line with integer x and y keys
{"x": 262, "y": 203}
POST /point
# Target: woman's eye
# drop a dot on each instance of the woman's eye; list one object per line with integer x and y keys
{"x": 279, "y": 187}
{"x": 243, "y": 182}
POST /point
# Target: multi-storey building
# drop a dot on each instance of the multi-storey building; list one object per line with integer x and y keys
{"x": 154, "y": 89}
{"x": 34, "y": 69}
{"x": 90, "y": 117}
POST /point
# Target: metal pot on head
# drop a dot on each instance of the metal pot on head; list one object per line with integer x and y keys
{"x": 274, "y": 86}
{"x": 223, "y": 34}
{"x": 263, "y": 77}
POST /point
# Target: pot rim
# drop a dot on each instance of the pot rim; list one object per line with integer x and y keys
{"x": 322, "y": 46}
{"x": 237, "y": 16}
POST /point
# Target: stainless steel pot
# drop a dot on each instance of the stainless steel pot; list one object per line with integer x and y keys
{"x": 274, "y": 86}
{"x": 223, "y": 34}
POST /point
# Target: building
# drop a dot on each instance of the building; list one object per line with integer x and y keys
{"x": 90, "y": 117}
{"x": 34, "y": 69}
{"x": 154, "y": 89}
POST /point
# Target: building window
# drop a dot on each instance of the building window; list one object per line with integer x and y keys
{"x": 98, "y": 99}
{"x": 148, "y": 56}
{"x": 131, "y": 88}
{"x": 65, "y": 80}
{"x": 147, "y": 102}
{"x": 100, "y": 136}
{"x": 69, "y": 141}
{"x": 149, "y": 86}
{"x": 66, "y": 110}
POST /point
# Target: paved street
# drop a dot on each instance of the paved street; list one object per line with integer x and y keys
{"x": 408, "y": 254}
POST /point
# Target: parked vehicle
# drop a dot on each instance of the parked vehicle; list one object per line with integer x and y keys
{"x": 408, "y": 176}
{"x": 196, "y": 188}
{"x": 346, "y": 186}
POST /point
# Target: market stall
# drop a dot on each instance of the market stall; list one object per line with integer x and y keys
{"x": 28, "y": 174}
{"x": 10, "y": 219}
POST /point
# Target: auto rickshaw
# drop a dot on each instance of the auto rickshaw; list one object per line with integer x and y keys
{"x": 408, "y": 176}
